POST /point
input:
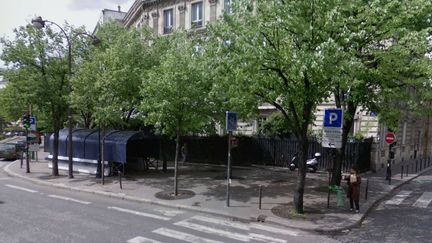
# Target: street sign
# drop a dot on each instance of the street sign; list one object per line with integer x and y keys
{"x": 231, "y": 121}
{"x": 332, "y": 128}
{"x": 390, "y": 138}
{"x": 333, "y": 118}
{"x": 32, "y": 123}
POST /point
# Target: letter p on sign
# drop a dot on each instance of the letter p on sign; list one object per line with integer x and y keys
{"x": 333, "y": 118}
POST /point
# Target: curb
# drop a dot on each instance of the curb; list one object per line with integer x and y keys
{"x": 269, "y": 220}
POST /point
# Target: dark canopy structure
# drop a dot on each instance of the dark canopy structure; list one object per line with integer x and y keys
{"x": 119, "y": 146}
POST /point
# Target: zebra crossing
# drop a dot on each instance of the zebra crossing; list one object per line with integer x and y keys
{"x": 405, "y": 197}
{"x": 206, "y": 229}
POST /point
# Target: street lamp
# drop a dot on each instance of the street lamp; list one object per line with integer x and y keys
{"x": 39, "y": 23}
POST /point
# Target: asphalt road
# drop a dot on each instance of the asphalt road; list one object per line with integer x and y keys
{"x": 404, "y": 216}
{"x": 34, "y": 213}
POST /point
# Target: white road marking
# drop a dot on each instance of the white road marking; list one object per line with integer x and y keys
{"x": 223, "y": 222}
{"x": 140, "y": 213}
{"x": 265, "y": 238}
{"x": 21, "y": 188}
{"x": 211, "y": 230}
{"x": 183, "y": 236}
{"x": 424, "y": 200}
{"x": 169, "y": 213}
{"x": 140, "y": 239}
{"x": 69, "y": 199}
{"x": 243, "y": 226}
{"x": 275, "y": 230}
{"x": 398, "y": 198}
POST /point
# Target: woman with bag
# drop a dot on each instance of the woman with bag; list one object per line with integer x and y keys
{"x": 353, "y": 192}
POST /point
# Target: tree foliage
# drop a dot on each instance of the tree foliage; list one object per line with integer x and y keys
{"x": 175, "y": 93}
{"x": 106, "y": 86}
{"x": 282, "y": 53}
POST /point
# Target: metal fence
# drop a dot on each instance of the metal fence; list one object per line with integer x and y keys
{"x": 266, "y": 151}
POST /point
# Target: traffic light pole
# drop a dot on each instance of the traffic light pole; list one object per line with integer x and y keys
{"x": 228, "y": 176}
{"x": 27, "y": 153}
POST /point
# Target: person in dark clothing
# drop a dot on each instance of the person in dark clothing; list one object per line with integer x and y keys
{"x": 353, "y": 193}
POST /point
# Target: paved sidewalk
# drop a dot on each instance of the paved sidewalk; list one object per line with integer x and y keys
{"x": 209, "y": 185}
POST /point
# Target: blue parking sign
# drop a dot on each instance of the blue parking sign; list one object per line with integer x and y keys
{"x": 32, "y": 120}
{"x": 231, "y": 121}
{"x": 333, "y": 118}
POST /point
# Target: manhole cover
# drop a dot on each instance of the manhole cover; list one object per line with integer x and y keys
{"x": 169, "y": 195}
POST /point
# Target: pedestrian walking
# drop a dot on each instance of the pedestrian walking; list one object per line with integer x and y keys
{"x": 353, "y": 193}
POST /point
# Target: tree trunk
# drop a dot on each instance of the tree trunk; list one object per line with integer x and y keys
{"x": 426, "y": 138}
{"x": 301, "y": 177}
{"x": 340, "y": 153}
{"x": 162, "y": 154}
{"x": 55, "y": 171}
{"x": 176, "y": 162}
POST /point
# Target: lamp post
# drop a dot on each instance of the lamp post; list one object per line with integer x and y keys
{"x": 39, "y": 23}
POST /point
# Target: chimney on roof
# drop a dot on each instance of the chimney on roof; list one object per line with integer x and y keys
{"x": 119, "y": 8}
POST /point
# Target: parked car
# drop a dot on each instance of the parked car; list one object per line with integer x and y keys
{"x": 9, "y": 151}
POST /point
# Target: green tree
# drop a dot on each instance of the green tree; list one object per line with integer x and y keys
{"x": 106, "y": 86}
{"x": 37, "y": 74}
{"x": 282, "y": 53}
{"x": 275, "y": 125}
{"x": 175, "y": 92}
{"x": 382, "y": 59}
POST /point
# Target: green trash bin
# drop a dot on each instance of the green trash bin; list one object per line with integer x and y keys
{"x": 340, "y": 194}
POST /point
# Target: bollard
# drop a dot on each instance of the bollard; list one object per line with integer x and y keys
{"x": 407, "y": 169}
{"x": 421, "y": 163}
{"x": 416, "y": 167}
{"x": 367, "y": 188}
{"x": 260, "y": 196}
{"x": 402, "y": 171}
{"x": 339, "y": 196}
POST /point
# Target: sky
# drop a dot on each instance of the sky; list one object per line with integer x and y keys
{"x": 15, "y": 13}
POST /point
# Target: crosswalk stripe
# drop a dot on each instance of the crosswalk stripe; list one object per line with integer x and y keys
{"x": 223, "y": 222}
{"x": 424, "y": 200}
{"x": 69, "y": 199}
{"x": 139, "y": 213}
{"x": 169, "y": 213}
{"x": 242, "y": 226}
{"x": 265, "y": 238}
{"x": 183, "y": 236}
{"x": 398, "y": 198}
{"x": 275, "y": 230}
{"x": 140, "y": 239}
{"x": 21, "y": 188}
{"x": 210, "y": 230}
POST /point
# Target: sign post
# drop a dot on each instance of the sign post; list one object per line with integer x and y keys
{"x": 332, "y": 135}
{"x": 231, "y": 125}
{"x": 390, "y": 139}
{"x": 332, "y": 128}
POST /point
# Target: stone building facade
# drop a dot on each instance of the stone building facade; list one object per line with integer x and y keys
{"x": 413, "y": 136}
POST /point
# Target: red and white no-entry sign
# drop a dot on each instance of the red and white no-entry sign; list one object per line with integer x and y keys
{"x": 390, "y": 138}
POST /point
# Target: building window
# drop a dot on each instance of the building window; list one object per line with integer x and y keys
{"x": 197, "y": 15}
{"x": 228, "y": 6}
{"x": 168, "y": 21}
